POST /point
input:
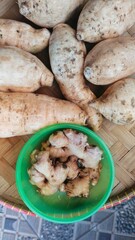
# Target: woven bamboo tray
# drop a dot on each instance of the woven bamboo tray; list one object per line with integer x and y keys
{"x": 120, "y": 140}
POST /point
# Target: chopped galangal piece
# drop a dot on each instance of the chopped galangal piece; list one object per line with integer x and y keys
{"x": 48, "y": 189}
{"x": 90, "y": 155}
{"x": 36, "y": 178}
{"x": 94, "y": 174}
{"x": 58, "y": 140}
{"x": 58, "y": 152}
{"x": 55, "y": 175}
{"x": 79, "y": 187}
{"x": 73, "y": 169}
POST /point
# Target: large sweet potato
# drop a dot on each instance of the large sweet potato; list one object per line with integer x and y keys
{"x": 22, "y": 35}
{"x": 21, "y": 71}
{"x": 67, "y": 59}
{"x": 101, "y": 19}
{"x": 25, "y": 113}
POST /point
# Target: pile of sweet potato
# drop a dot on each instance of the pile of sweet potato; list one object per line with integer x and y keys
{"x": 111, "y": 61}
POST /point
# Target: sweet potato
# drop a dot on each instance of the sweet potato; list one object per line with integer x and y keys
{"x": 22, "y": 35}
{"x": 102, "y": 19}
{"x": 110, "y": 60}
{"x": 48, "y": 13}
{"x": 67, "y": 60}
{"x": 21, "y": 71}
{"x": 25, "y": 113}
{"x": 118, "y": 102}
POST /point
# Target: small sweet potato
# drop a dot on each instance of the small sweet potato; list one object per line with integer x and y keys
{"x": 21, "y": 71}
{"x": 22, "y": 35}
{"x": 117, "y": 104}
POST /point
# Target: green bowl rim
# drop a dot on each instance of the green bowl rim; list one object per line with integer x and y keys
{"x": 55, "y": 127}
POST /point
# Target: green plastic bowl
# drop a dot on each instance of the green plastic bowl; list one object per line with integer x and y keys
{"x": 59, "y": 208}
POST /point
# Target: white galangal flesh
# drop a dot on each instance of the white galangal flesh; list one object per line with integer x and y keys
{"x": 58, "y": 140}
{"x": 55, "y": 175}
{"x": 79, "y": 147}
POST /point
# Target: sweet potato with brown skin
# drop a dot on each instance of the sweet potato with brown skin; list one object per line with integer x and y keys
{"x": 102, "y": 19}
{"x": 48, "y": 13}
{"x": 110, "y": 60}
{"x": 118, "y": 102}
{"x": 21, "y": 71}
{"x": 22, "y": 35}
{"x": 25, "y": 113}
{"x": 67, "y": 59}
